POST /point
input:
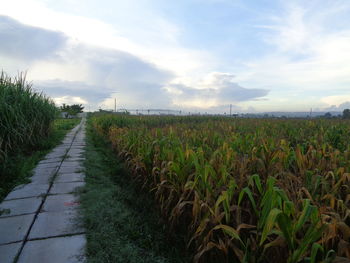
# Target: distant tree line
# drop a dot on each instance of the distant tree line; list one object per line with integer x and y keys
{"x": 72, "y": 109}
{"x": 346, "y": 114}
{"x": 328, "y": 115}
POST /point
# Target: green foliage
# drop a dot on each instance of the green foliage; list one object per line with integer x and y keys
{"x": 121, "y": 221}
{"x": 18, "y": 168}
{"x": 346, "y": 114}
{"x": 245, "y": 190}
{"x": 25, "y": 117}
{"x": 72, "y": 109}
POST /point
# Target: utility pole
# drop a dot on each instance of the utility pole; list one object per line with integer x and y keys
{"x": 115, "y": 105}
{"x": 230, "y": 110}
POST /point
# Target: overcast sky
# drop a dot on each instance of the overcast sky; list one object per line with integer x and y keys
{"x": 198, "y": 55}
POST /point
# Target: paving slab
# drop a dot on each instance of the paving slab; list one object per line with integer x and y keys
{"x": 75, "y": 159}
{"x": 67, "y": 140}
{"x": 51, "y": 224}
{"x": 55, "y": 203}
{"x": 43, "y": 175}
{"x": 13, "y": 229}
{"x": 45, "y": 170}
{"x": 50, "y": 160}
{"x": 54, "y": 250}
{"x": 47, "y": 165}
{"x": 28, "y": 190}
{"x": 71, "y": 169}
{"x": 72, "y": 165}
{"x": 20, "y": 206}
{"x": 41, "y": 179}
{"x": 75, "y": 156}
{"x": 70, "y": 177}
{"x": 65, "y": 188}
{"x": 55, "y": 155}
{"x": 78, "y": 141}
{"x": 78, "y": 147}
{"x": 9, "y": 252}
{"x": 60, "y": 149}
{"x": 67, "y": 143}
{"x": 75, "y": 151}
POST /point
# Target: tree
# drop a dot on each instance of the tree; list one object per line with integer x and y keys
{"x": 346, "y": 114}
{"x": 327, "y": 115}
{"x": 72, "y": 109}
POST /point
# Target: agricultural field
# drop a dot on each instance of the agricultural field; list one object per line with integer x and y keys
{"x": 243, "y": 190}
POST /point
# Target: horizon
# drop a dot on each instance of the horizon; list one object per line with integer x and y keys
{"x": 203, "y": 56}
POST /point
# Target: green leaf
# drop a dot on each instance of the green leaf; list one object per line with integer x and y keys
{"x": 247, "y": 191}
{"x": 312, "y": 235}
{"x": 288, "y": 208}
{"x": 270, "y": 222}
{"x": 330, "y": 256}
{"x": 256, "y": 179}
{"x": 314, "y": 249}
{"x": 304, "y": 215}
{"x": 230, "y": 231}
{"x": 285, "y": 224}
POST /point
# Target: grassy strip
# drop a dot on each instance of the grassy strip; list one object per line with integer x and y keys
{"x": 19, "y": 168}
{"x": 121, "y": 222}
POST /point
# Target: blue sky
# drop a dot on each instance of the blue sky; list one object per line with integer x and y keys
{"x": 195, "y": 55}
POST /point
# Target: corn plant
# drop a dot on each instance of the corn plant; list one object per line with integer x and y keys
{"x": 247, "y": 190}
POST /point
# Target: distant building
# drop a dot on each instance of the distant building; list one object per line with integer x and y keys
{"x": 66, "y": 115}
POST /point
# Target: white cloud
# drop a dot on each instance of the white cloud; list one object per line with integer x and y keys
{"x": 132, "y": 49}
{"x": 290, "y": 31}
{"x": 154, "y": 40}
{"x": 308, "y": 56}
{"x": 69, "y": 100}
{"x": 214, "y": 90}
{"x": 336, "y": 100}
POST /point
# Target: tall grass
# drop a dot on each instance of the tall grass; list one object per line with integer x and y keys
{"x": 25, "y": 116}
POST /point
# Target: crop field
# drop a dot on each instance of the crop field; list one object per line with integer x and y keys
{"x": 243, "y": 190}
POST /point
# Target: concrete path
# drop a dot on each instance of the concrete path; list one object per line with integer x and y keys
{"x": 39, "y": 221}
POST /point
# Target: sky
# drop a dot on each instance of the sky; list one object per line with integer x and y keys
{"x": 189, "y": 55}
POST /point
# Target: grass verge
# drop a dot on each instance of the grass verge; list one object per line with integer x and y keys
{"x": 18, "y": 169}
{"x": 120, "y": 219}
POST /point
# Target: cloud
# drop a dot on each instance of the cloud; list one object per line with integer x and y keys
{"x": 93, "y": 74}
{"x": 341, "y": 107}
{"x": 28, "y": 42}
{"x": 336, "y": 102}
{"x": 65, "y": 90}
{"x": 69, "y": 100}
{"x": 215, "y": 90}
{"x": 66, "y": 69}
{"x": 307, "y": 56}
{"x": 336, "y": 99}
{"x": 96, "y": 74}
{"x": 135, "y": 27}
